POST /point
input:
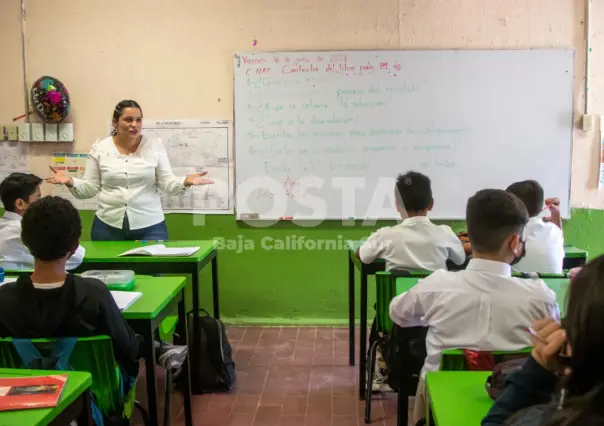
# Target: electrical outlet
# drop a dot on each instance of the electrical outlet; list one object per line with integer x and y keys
{"x": 24, "y": 133}
{"x": 13, "y": 134}
{"x": 37, "y": 132}
{"x": 51, "y": 132}
{"x": 66, "y": 132}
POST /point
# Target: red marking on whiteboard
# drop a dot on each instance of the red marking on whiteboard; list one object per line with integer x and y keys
{"x": 286, "y": 218}
{"x": 255, "y": 43}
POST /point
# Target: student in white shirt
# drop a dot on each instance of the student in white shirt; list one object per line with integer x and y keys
{"x": 544, "y": 238}
{"x": 416, "y": 243}
{"x": 482, "y": 307}
{"x": 126, "y": 170}
{"x": 17, "y": 192}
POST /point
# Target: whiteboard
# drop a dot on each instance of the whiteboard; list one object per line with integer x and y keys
{"x": 323, "y": 135}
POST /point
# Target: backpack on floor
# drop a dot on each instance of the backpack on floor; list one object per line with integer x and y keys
{"x": 217, "y": 370}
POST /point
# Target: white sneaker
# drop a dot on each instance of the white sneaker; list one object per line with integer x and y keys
{"x": 171, "y": 356}
{"x": 380, "y": 384}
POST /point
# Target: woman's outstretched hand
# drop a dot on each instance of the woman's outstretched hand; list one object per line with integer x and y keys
{"x": 58, "y": 178}
{"x": 198, "y": 179}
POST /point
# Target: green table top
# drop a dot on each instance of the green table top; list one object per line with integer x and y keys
{"x": 458, "y": 398}
{"x": 558, "y": 285}
{"x": 77, "y": 383}
{"x": 158, "y": 292}
{"x": 569, "y": 251}
{"x": 109, "y": 251}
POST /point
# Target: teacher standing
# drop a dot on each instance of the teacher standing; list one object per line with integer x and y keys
{"x": 127, "y": 170}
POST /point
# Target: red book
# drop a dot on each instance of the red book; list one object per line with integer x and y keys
{"x": 20, "y": 393}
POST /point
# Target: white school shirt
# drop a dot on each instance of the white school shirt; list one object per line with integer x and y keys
{"x": 128, "y": 183}
{"x": 480, "y": 308}
{"x": 416, "y": 243}
{"x": 13, "y": 253}
{"x": 544, "y": 248}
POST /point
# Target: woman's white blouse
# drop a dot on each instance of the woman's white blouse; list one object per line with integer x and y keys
{"x": 128, "y": 183}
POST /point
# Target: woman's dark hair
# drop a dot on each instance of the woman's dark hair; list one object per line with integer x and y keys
{"x": 119, "y": 110}
{"x": 584, "y": 325}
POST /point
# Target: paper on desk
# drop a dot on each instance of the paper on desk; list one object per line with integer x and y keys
{"x": 125, "y": 299}
{"x": 160, "y": 250}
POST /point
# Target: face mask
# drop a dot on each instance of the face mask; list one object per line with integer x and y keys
{"x": 519, "y": 258}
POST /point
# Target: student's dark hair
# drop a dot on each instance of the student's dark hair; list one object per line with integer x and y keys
{"x": 584, "y": 326}
{"x": 51, "y": 228}
{"x": 531, "y": 194}
{"x": 18, "y": 185}
{"x": 119, "y": 110}
{"x": 492, "y": 215}
{"x": 414, "y": 191}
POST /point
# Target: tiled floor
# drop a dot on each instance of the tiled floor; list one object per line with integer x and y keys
{"x": 286, "y": 376}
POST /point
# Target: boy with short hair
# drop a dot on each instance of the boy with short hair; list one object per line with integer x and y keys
{"x": 52, "y": 303}
{"x": 482, "y": 307}
{"x": 17, "y": 192}
{"x": 544, "y": 239}
{"x": 416, "y": 243}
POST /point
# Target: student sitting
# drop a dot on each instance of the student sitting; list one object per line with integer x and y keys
{"x": 416, "y": 243}
{"x": 544, "y": 239}
{"x": 52, "y": 303}
{"x": 547, "y": 391}
{"x": 17, "y": 192}
{"x": 482, "y": 307}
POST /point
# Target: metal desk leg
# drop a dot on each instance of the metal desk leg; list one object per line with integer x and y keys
{"x": 215, "y": 286}
{"x": 85, "y": 418}
{"x": 363, "y": 338}
{"x": 195, "y": 348}
{"x": 351, "y": 330}
{"x": 149, "y": 352}
{"x": 187, "y": 367}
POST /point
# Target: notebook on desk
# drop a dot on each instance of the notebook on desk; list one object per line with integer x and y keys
{"x": 125, "y": 299}
{"x": 160, "y": 250}
{"x": 21, "y": 393}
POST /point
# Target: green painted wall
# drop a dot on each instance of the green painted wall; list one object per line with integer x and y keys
{"x": 305, "y": 286}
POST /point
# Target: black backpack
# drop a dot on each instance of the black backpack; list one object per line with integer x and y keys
{"x": 412, "y": 340}
{"x": 217, "y": 370}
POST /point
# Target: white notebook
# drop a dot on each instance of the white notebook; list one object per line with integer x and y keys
{"x": 160, "y": 250}
{"x": 125, "y": 299}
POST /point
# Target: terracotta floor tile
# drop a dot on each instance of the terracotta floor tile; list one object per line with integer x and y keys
{"x": 286, "y": 376}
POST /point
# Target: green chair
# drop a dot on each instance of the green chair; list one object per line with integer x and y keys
{"x": 382, "y": 328}
{"x": 91, "y": 354}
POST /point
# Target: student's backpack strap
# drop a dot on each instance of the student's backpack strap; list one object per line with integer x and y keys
{"x": 58, "y": 359}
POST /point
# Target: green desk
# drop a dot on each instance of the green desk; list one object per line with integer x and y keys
{"x": 144, "y": 316}
{"x": 573, "y": 257}
{"x": 558, "y": 285}
{"x": 105, "y": 255}
{"x": 73, "y": 405}
{"x": 458, "y": 398}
